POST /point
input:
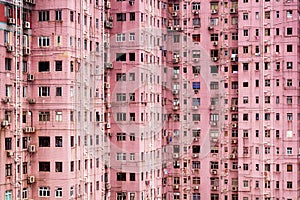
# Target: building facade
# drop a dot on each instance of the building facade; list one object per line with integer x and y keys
{"x": 149, "y": 99}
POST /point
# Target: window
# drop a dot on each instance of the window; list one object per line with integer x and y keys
{"x": 58, "y": 141}
{"x": 196, "y": 69}
{"x": 44, "y": 166}
{"x": 44, "y": 91}
{"x": 289, "y": 100}
{"x": 121, "y": 77}
{"x": 196, "y": 117}
{"x": 132, "y": 176}
{"x": 289, "y": 48}
{"x": 121, "y": 196}
{"x": 58, "y": 166}
{"x": 289, "y": 82}
{"x": 289, "y": 31}
{"x": 131, "y": 36}
{"x": 58, "y": 116}
{"x": 214, "y": 85}
{"x": 58, "y": 15}
{"x": 8, "y": 169}
{"x": 44, "y": 15}
{"x": 58, "y": 192}
{"x": 132, "y": 16}
{"x": 8, "y": 64}
{"x": 44, "y": 116}
{"x": 44, "y": 66}
{"x": 289, "y": 184}
{"x": 121, "y": 156}
{"x": 289, "y": 168}
{"x": 58, "y": 91}
{"x": 196, "y": 21}
{"x": 289, "y": 116}
{"x": 58, "y": 65}
{"x": 245, "y": 16}
{"x": 121, "y": 16}
{"x": 234, "y": 36}
{"x": 267, "y": 32}
{"x": 289, "y": 65}
{"x": 289, "y": 13}
{"x": 121, "y": 116}
{"x": 132, "y": 136}
{"x": 131, "y": 56}
{"x": 196, "y": 6}
{"x": 132, "y": 117}
{"x": 196, "y": 37}
{"x": 121, "y": 176}
{"x": 289, "y": 150}
{"x": 44, "y": 191}
{"x": 121, "y": 96}
{"x": 8, "y": 195}
{"x": 44, "y": 141}
{"x": 214, "y": 37}
{"x": 44, "y": 41}
{"x": 8, "y": 143}
{"x": 121, "y": 136}
{"x": 120, "y": 56}
{"x": 121, "y": 37}
{"x": 196, "y": 85}
{"x": 267, "y": 15}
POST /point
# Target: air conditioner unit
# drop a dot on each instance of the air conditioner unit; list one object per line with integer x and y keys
{"x": 234, "y": 188}
{"x": 108, "y": 126}
{"x": 235, "y": 125}
{"x": 174, "y": 14}
{"x": 195, "y": 60}
{"x": 232, "y": 10}
{"x": 233, "y": 108}
{"x": 29, "y": 129}
{"x": 107, "y": 85}
{"x": 196, "y": 187}
{"x": 175, "y": 92}
{"x": 31, "y": 179}
{"x": 108, "y": 5}
{"x": 10, "y": 48}
{"x": 214, "y": 59}
{"x": 107, "y": 186}
{"x": 210, "y": 28}
{"x": 195, "y": 107}
{"x": 235, "y": 141}
{"x": 195, "y": 155}
{"x": 176, "y": 187}
{"x": 170, "y": 28}
{"x": 212, "y": 107}
{"x": 10, "y": 154}
{"x": 214, "y": 187}
{"x": 108, "y": 65}
{"x": 26, "y": 51}
{"x": 31, "y": 101}
{"x": 195, "y": 139}
{"x": 11, "y": 21}
{"x": 215, "y": 43}
{"x": 26, "y": 24}
{"x": 196, "y": 12}
{"x": 106, "y": 44}
{"x": 30, "y": 77}
{"x": 213, "y": 123}
{"x": 175, "y": 155}
{"x": 214, "y": 171}
{"x": 108, "y": 105}
{"x": 175, "y": 60}
{"x": 6, "y": 100}
{"x": 176, "y": 108}
{"x": 109, "y": 134}
{"x": 31, "y": 148}
{"x": 4, "y": 123}
{"x": 232, "y": 156}
{"x": 175, "y": 76}
{"x": 214, "y": 11}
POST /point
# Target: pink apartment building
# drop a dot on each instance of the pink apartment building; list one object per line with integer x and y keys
{"x": 149, "y": 99}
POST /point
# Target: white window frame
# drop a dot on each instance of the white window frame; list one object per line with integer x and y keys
{"x": 44, "y": 41}
{"x": 44, "y": 191}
